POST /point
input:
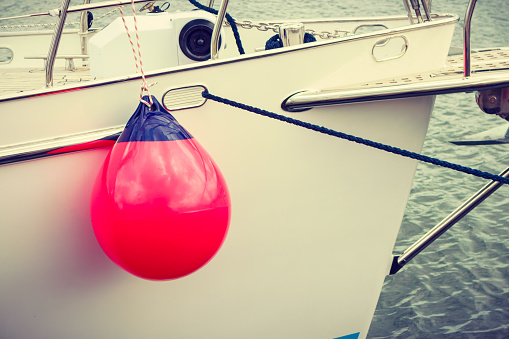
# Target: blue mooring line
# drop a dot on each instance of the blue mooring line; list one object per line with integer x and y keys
{"x": 358, "y": 140}
{"x": 230, "y": 20}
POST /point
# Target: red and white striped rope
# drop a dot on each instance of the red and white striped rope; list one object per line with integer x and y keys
{"x": 137, "y": 59}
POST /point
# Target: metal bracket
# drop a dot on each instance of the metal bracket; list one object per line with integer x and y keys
{"x": 458, "y": 214}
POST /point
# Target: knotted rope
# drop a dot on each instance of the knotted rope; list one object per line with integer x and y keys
{"x": 341, "y": 135}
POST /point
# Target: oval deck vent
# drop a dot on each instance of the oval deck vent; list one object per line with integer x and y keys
{"x": 390, "y": 48}
{"x": 184, "y": 97}
{"x": 6, "y": 55}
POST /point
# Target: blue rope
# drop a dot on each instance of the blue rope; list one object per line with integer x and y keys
{"x": 275, "y": 41}
{"x": 228, "y": 18}
{"x": 358, "y": 140}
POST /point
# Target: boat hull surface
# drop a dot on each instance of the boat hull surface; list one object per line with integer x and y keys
{"x": 314, "y": 219}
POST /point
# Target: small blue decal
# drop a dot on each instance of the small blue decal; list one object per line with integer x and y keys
{"x": 350, "y": 336}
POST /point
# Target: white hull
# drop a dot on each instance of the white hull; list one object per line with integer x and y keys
{"x": 314, "y": 219}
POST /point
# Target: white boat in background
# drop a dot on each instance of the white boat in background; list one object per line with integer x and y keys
{"x": 303, "y": 258}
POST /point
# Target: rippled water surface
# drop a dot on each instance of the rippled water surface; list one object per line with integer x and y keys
{"x": 458, "y": 287}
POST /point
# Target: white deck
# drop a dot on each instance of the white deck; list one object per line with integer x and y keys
{"x": 21, "y": 80}
{"x": 486, "y": 60}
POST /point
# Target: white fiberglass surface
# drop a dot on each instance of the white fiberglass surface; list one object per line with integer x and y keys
{"x": 313, "y": 225}
{"x": 314, "y": 219}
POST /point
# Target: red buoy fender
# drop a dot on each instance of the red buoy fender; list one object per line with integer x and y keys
{"x": 160, "y": 206}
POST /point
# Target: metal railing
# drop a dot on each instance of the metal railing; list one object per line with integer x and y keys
{"x": 55, "y": 41}
{"x": 466, "y": 36}
{"x": 62, "y": 14}
{"x": 414, "y": 4}
{"x": 214, "y": 42}
{"x": 84, "y": 25}
{"x": 65, "y": 9}
{"x": 446, "y": 223}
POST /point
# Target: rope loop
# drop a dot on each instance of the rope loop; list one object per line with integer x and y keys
{"x": 144, "y": 88}
{"x": 341, "y": 135}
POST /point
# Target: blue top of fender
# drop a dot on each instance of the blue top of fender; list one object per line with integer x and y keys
{"x": 153, "y": 124}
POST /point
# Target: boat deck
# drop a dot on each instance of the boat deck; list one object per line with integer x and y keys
{"x": 489, "y": 69}
{"x": 481, "y": 61}
{"x": 20, "y": 80}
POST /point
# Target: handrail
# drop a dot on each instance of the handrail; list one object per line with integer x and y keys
{"x": 426, "y": 5}
{"x": 62, "y": 13}
{"x": 83, "y": 29}
{"x": 309, "y": 99}
{"x": 409, "y": 12}
{"x": 214, "y": 42}
{"x": 55, "y": 41}
{"x": 78, "y": 8}
{"x": 105, "y": 4}
{"x": 426, "y": 8}
{"x": 466, "y": 36}
{"x": 417, "y": 10}
{"x": 59, "y": 145}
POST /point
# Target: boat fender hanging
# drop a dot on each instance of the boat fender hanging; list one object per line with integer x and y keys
{"x": 160, "y": 206}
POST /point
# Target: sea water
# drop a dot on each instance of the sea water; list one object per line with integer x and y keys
{"x": 459, "y": 286}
